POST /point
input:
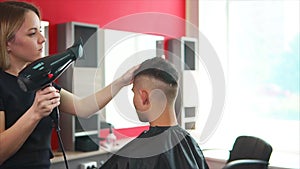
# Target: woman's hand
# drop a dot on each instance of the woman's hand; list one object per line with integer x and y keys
{"x": 45, "y": 101}
{"x": 127, "y": 77}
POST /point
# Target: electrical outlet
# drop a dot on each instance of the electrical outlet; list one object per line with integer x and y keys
{"x": 89, "y": 165}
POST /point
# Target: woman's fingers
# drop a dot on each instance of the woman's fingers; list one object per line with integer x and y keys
{"x": 46, "y": 100}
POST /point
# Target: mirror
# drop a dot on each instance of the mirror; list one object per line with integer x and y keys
{"x": 122, "y": 51}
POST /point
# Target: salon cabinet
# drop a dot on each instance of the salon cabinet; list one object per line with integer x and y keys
{"x": 183, "y": 53}
{"x": 82, "y": 78}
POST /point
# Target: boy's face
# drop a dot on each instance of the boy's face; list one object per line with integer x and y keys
{"x": 138, "y": 100}
{"x": 136, "y": 96}
{"x": 149, "y": 103}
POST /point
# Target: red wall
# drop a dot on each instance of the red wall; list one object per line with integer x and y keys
{"x": 160, "y": 17}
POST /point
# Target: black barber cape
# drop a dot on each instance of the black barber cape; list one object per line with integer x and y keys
{"x": 159, "y": 148}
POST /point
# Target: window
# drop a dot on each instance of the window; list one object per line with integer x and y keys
{"x": 257, "y": 43}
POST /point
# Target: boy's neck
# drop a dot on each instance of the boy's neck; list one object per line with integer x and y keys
{"x": 168, "y": 118}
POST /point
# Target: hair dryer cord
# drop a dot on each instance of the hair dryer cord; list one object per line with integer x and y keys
{"x": 55, "y": 118}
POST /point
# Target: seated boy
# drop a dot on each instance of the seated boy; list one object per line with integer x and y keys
{"x": 165, "y": 145}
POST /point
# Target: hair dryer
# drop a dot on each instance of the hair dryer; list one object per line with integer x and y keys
{"x": 44, "y": 71}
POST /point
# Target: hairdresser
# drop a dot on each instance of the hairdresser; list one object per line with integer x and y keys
{"x": 25, "y": 125}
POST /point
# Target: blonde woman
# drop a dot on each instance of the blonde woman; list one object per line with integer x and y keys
{"x": 25, "y": 125}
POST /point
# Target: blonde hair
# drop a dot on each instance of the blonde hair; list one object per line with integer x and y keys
{"x": 12, "y": 16}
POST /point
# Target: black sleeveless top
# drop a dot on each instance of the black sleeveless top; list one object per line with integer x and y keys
{"x": 35, "y": 153}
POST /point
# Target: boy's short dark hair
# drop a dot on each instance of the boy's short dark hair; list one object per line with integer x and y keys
{"x": 160, "y": 69}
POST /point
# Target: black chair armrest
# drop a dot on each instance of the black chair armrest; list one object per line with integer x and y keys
{"x": 244, "y": 161}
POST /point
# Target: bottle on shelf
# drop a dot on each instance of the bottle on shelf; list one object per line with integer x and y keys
{"x": 111, "y": 138}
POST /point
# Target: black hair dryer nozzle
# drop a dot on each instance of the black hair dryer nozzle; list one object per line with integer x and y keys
{"x": 44, "y": 71}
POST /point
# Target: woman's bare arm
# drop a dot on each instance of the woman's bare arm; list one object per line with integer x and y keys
{"x": 85, "y": 107}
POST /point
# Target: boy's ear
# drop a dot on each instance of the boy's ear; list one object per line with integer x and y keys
{"x": 145, "y": 96}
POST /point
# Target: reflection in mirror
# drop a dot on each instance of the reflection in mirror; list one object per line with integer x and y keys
{"x": 122, "y": 51}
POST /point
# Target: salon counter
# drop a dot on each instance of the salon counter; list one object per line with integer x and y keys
{"x": 76, "y": 158}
